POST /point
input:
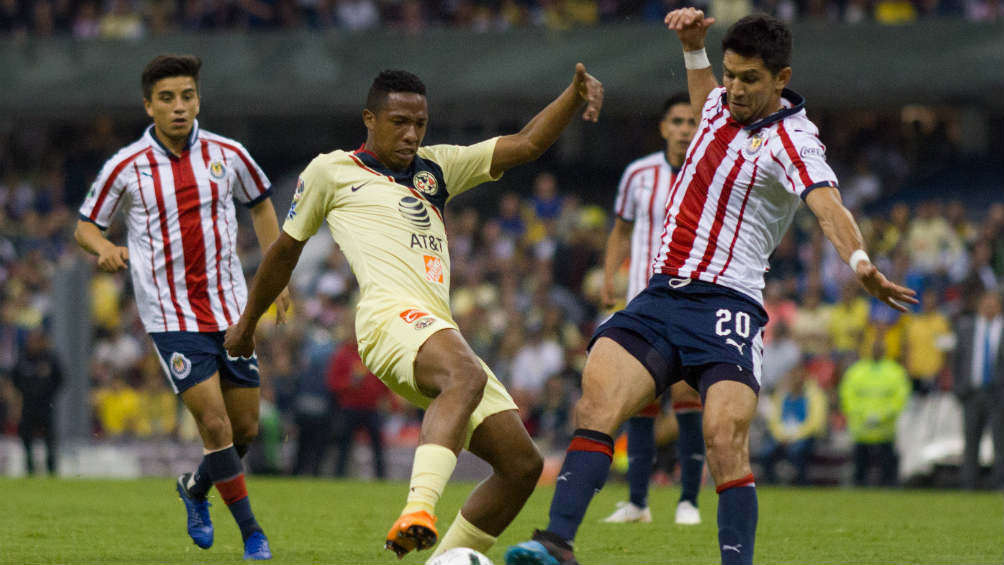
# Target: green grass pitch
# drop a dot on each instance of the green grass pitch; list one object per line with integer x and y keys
{"x": 328, "y": 521}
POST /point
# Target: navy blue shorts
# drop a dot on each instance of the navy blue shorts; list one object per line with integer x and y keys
{"x": 686, "y": 329}
{"x": 189, "y": 358}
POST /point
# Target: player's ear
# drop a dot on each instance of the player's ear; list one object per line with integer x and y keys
{"x": 369, "y": 119}
{"x": 782, "y": 78}
{"x": 148, "y": 106}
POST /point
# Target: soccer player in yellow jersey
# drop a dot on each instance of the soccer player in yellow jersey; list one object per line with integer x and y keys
{"x": 383, "y": 204}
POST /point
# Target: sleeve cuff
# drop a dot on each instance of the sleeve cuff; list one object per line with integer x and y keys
{"x": 823, "y": 184}
{"x": 261, "y": 197}
{"x": 86, "y": 219}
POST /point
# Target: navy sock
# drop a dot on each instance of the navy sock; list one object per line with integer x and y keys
{"x": 690, "y": 452}
{"x": 200, "y": 484}
{"x": 737, "y": 516}
{"x": 227, "y": 474}
{"x": 587, "y": 463}
{"x": 641, "y": 454}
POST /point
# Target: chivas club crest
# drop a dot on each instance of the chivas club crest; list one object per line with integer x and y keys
{"x": 755, "y": 144}
{"x": 425, "y": 182}
{"x": 217, "y": 170}
{"x": 181, "y": 366}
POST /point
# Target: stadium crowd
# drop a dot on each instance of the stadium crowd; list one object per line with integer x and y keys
{"x": 526, "y": 276}
{"x": 135, "y": 19}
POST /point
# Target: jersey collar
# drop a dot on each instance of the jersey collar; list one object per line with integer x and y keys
{"x": 672, "y": 169}
{"x": 192, "y": 137}
{"x": 372, "y": 161}
{"x": 791, "y": 101}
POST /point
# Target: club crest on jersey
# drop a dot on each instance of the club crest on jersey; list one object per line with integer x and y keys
{"x": 296, "y": 199}
{"x": 423, "y": 323}
{"x": 755, "y": 144}
{"x": 217, "y": 170}
{"x": 425, "y": 182}
{"x": 181, "y": 366}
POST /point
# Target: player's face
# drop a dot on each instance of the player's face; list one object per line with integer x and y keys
{"x": 173, "y": 105}
{"x": 752, "y": 91}
{"x": 677, "y": 128}
{"x": 396, "y": 130}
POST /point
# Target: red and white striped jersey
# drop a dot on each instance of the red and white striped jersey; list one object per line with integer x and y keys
{"x": 182, "y": 226}
{"x": 737, "y": 193}
{"x": 641, "y": 199}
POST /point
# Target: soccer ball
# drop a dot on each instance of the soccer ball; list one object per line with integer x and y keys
{"x": 460, "y": 556}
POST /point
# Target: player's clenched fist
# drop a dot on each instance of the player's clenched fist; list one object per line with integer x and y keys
{"x": 114, "y": 258}
{"x": 591, "y": 90}
{"x": 690, "y": 26}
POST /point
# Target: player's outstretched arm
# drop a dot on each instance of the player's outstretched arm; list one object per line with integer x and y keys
{"x": 272, "y": 277}
{"x": 111, "y": 257}
{"x": 691, "y": 26}
{"x": 543, "y": 130}
{"x": 266, "y": 229}
{"x": 840, "y": 228}
{"x": 618, "y": 249}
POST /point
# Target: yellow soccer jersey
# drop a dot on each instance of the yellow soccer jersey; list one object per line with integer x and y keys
{"x": 389, "y": 224}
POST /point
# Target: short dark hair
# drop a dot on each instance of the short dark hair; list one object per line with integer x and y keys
{"x": 677, "y": 98}
{"x": 392, "y": 81}
{"x": 164, "y": 66}
{"x": 760, "y": 35}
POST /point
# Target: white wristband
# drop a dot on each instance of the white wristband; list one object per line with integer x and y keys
{"x": 856, "y": 258}
{"x": 694, "y": 60}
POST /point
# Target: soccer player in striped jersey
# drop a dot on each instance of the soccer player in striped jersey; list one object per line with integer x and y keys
{"x": 754, "y": 158}
{"x": 383, "y": 204}
{"x": 640, "y": 209}
{"x": 176, "y": 186}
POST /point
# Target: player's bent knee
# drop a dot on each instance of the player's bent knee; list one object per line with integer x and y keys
{"x": 216, "y": 428}
{"x": 245, "y": 432}
{"x": 595, "y": 414}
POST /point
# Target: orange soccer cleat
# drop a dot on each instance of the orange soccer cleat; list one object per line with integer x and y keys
{"x": 416, "y": 530}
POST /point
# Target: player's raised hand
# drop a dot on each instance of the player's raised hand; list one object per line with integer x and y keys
{"x": 113, "y": 258}
{"x": 591, "y": 90}
{"x": 282, "y": 304}
{"x": 239, "y": 342}
{"x": 880, "y": 287}
{"x": 690, "y": 26}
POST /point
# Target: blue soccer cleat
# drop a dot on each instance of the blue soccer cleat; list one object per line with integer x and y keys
{"x": 256, "y": 547}
{"x": 200, "y": 525}
{"x": 544, "y": 549}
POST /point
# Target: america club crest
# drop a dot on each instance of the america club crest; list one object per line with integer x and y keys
{"x": 181, "y": 366}
{"x": 425, "y": 182}
{"x": 217, "y": 170}
{"x": 756, "y": 142}
{"x": 296, "y": 198}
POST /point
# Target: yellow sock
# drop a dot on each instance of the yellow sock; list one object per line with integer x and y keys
{"x": 465, "y": 534}
{"x": 430, "y": 471}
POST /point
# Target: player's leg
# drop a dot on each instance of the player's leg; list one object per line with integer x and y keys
{"x": 503, "y": 442}
{"x": 448, "y": 371}
{"x": 26, "y": 430}
{"x": 728, "y": 410}
{"x": 641, "y": 457}
{"x": 690, "y": 450}
{"x": 615, "y": 385}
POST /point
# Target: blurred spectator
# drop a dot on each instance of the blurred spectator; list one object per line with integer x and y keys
{"x": 872, "y": 394}
{"x": 797, "y": 419}
{"x": 539, "y": 359}
{"x": 926, "y": 339}
{"x": 979, "y": 372}
{"x": 811, "y": 325}
{"x": 361, "y": 398}
{"x": 313, "y": 404}
{"x": 848, "y": 319}
{"x": 780, "y": 356}
{"x": 38, "y": 376}
{"x": 122, "y": 21}
{"x": 86, "y": 24}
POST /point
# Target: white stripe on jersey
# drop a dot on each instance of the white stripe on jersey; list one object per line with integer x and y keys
{"x": 737, "y": 193}
{"x": 182, "y": 226}
{"x": 641, "y": 199}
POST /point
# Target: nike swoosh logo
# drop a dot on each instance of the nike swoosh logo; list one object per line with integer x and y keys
{"x": 358, "y": 186}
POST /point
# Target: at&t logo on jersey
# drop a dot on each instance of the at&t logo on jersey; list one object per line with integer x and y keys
{"x": 181, "y": 366}
{"x": 217, "y": 170}
{"x": 425, "y": 182}
{"x": 413, "y": 210}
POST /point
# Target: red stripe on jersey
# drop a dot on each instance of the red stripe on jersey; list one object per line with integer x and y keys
{"x": 103, "y": 193}
{"x": 695, "y": 197}
{"x": 789, "y": 148}
{"x": 166, "y": 241}
{"x": 651, "y": 217}
{"x": 739, "y": 224}
{"x": 193, "y": 244}
{"x": 216, "y": 237}
{"x": 149, "y": 233}
{"x": 247, "y": 165}
{"x": 627, "y": 185}
{"x": 716, "y": 226}
{"x": 586, "y": 444}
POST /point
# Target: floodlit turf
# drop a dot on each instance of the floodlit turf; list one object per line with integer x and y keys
{"x": 327, "y": 521}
